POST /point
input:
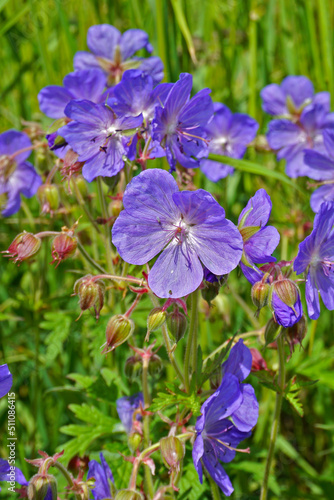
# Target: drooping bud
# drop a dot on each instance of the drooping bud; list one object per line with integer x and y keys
{"x": 296, "y": 333}
{"x": 172, "y": 452}
{"x": 91, "y": 293}
{"x": 112, "y": 181}
{"x": 155, "y": 365}
{"x": 285, "y": 302}
{"x": 119, "y": 329}
{"x": 64, "y": 246}
{"x": 48, "y": 197}
{"x": 24, "y": 246}
{"x": 258, "y": 362}
{"x": 129, "y": 495}
{"x": 271, "y": 332}
{"x": 134, "y": 441}
{"x": 42, "y": 485}
{"x": 287, "y": 291}
{"x": 260, "y": 294}
{"x": 80, "y": 184}
{"x": 156, "y": 319}
{"x": 133, "y": 367}
{"x": 177, "y": 324}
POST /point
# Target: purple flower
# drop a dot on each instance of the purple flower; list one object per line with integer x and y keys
{"x": 316, "y": 258}
{"x": 229, "y": 135}
{"x": 321, "y": 168}
{"x": 11, "y": 473}
{"x": 84, "y": 84}
{"x": 6, "y": 380}
{"x": 227, "y": 419}
{"x": 291, "y": 139}
{"x": 188, "y": 227}
{"x": 102, "y": 475}
{"x": 259, "y": 240}
{"x": 95, "y": 134}
{"x": 291, "y": 97}
{"x": 113, "y": 52}
{"x": 180, "y": 124}
{"x": 126, "y": 407}
{"x": 17, "y": 176}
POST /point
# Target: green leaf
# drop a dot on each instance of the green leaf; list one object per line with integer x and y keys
{"x": 60, "y": 326}
{"x": 182, "y": 22}
{"x": 175, "y": 397}
{"x": 293, "y": 399}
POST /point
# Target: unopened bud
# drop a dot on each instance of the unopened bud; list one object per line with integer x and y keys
{"x": 129, "y": 495}
{"x": 134, "y": 441}
{"x": 119, "y": 329}
{"x": 177, "y": 324}
{"x": 271, "y": 331}
{"x": 42, "y": 486}
{"x": 260, "y": 294}
{"x": 172, "y": 452}
{"x": 211, "y": 288}
{"x": 258, "y": 362}
{"x": 24, "y": 246}
{"x": 133, "y": 367}
{"x": 156, "y": 319}
{"x": 91, "y": 294}
{"x": 111, "y": 182}
{"x": 63, "y": 247}
{"x": 287, "y": 291}
{"x": 155, "y": 365}
{"x": 115, "y": 207}
{"x": 296, "y": 333}
{"x": 80, "y": 184}
{"x": 48, "y": 197}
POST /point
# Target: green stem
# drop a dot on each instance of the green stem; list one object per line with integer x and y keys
{"x": 192, "y": 340}
{"x": 214, "y": 489}
{"x": 107, "y": 234}
{"x": 168, "y": 346}
{"x": 82, "y": 204}
{"x": 90, "y": 259}
{"x": 67, "y": 476}
{"x": 146, "y": 426}
{"x": 277, "y": 415}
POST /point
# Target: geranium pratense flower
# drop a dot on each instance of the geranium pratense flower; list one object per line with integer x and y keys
{"x": 84, "y": 84}
{"x": 259, "y": 240}
{"x": 17, "y": 176}
{"x": 321, "y": 168}
{"x": 291, "y": 97}
{"x": 229, "y": 135}
{"x": 103, "y": 478}
{"x": 95, "y": 134}
{"x": 126, "y": 407}
{"x": 189, "y": 228}
{"x": 180, "y": 124}
{"x": 6, "y": 380}
{"x": 316, "y": 258}
{"x": 113, "y": 52}
{"x": 228, "y": 416}
{"x": 9, "y": 472}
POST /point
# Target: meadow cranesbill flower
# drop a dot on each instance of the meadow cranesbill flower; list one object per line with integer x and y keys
{"x": 188, "y": 227}
{"x": 95, "y": 134}
{"x": 285, "y": 302}
{"x": 125, "y": 408}
{"x": 103, "y": 478}
{"x": 316, "y": 259}
{"x": 11, "y": 473}
{"x": 259, "y": 240}
{"x": 113, "y": 52}
{"x": 6, "y": 380}
{"x": 17, "y": 176}
{"x": 229, "y": 135}
{"x": 321, "y": 168}
{"x": 85, "y": 84}
{"x": 179, "y": 125}
{"x": 228, "y": 416}
{"x": 290, "y": 98}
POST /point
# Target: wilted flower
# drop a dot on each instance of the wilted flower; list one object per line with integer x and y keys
{"x": 91, "y": 293}
{"x": 229, "y": 134}
{"x": 17, "y": 176}
{"x": 113, "y": 52}
{"x": 218, "y": 436}
{"x": 119, "y": 329}
{"x": 6, "y": 380}
{"x": 96, "y": 135}
{"x": 316, "y": 258}
{"x": 104, "y": 479}
{"x": 23, "y": 247}
{"x": 84, "y": 84}
{"x": 126, "y": 407}
{"x": 259, "y": 240}
{"x": 64, "y": 246}
{"x": 188, "y": 227}
{"x": 180, "y": 124}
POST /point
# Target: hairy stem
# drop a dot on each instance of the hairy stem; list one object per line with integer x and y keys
{"x": 107, "y": 235}
{"x": 192, "y": 340}
{"x": 277, "y": 415}
{"x": 67, "y": 476}
{"x": 146, "y": 426}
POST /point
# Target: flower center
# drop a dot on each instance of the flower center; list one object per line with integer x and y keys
{"x": 7, "y": 167}
{"x": 181, "y": 231}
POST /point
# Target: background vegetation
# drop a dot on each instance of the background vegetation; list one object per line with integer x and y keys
{"x": 235, "y": 48}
